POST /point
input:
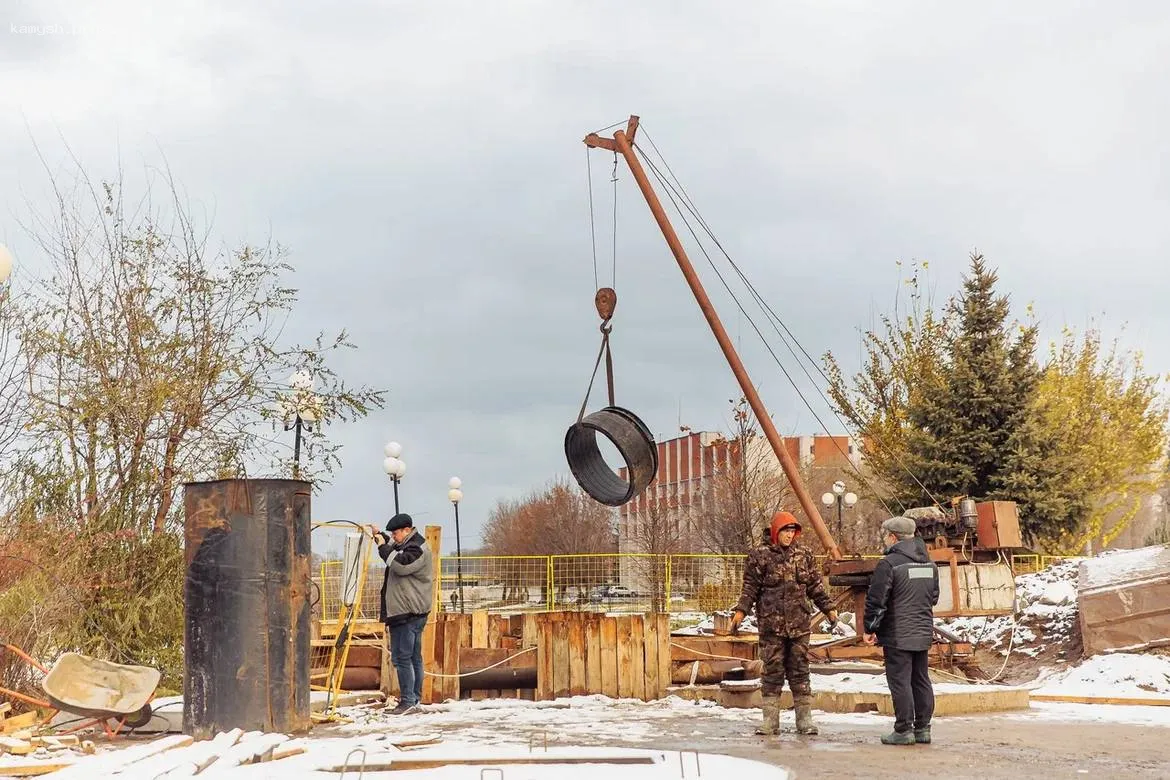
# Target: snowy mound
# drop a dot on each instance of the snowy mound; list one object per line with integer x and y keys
{"x": 1122, "y": 675}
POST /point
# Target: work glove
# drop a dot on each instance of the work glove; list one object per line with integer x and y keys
{"x": 736, "y": 619}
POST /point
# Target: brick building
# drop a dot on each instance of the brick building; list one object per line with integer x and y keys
{"x": 690, "y": 466}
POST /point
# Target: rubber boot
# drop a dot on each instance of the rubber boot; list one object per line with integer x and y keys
{"x": 922, "y": 735}
{"x": 898, "y": 738}
{"x": 770, "y": 706}
{"x": 804, "y": 721}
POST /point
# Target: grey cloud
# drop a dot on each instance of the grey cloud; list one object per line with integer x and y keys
{"x": 424, "y": 164}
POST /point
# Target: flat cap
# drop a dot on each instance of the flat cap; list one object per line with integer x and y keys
{"x": 902, "y": 527}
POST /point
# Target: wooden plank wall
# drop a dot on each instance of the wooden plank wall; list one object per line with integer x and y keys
{"x": 574, "y": 653}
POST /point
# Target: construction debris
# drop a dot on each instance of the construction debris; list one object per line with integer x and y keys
{"x": 1123, "y": 597}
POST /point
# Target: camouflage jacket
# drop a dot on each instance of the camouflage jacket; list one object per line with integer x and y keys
{"x": 779, "y": 582}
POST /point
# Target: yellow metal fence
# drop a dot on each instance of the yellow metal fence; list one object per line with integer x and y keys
{"x": 618, "y": 582}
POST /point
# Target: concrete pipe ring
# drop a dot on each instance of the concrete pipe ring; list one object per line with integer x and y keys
{"x": 633, "y": 441}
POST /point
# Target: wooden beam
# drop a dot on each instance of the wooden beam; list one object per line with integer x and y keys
{"x": 609, "y": 656}
{"x": 576, "y": 637}
{"x": 593, "y": 681}
{"x": 650, "y": 652}
{"x": 434, "y": 535}
{"x": 544, "y": 661}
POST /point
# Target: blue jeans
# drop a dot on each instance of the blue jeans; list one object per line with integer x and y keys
{"x": 406, "y": 655}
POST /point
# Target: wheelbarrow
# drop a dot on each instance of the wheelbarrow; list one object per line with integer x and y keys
{"x": 99, "y": 691}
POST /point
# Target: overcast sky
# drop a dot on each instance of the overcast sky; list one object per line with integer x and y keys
{"x": 423, "y": 163}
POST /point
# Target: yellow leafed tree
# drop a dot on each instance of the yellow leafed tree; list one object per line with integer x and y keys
{"x": 1105, "y": 418}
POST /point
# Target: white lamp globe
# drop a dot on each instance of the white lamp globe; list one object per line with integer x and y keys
{"x": 5, "y": 264}
{"x": 394, "y": 467}
{"x": 454, "y": 495}
{"x": 393, "y": 450}
{"x": 828, "y": 499}
{"x": 301, "y": 380}
{"x": 454, "y": 483}
{"x": 838, "y": 487}
{"x": 850, "y": 499}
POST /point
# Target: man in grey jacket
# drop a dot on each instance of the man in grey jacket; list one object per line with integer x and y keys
{"x": 406, "y": 603}
{"x": 899, "y": 615}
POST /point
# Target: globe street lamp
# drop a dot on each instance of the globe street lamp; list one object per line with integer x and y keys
{"x": 395, "y": 467}
{"x": 843, "y": 500}
{"x": 302, "y": 412}
{"x": 455, "y": 495}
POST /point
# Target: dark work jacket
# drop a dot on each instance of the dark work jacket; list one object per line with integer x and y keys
{"x": 899, "y": 606}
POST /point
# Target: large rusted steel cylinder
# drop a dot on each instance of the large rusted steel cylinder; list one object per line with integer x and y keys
{"x": 247, "y": 632}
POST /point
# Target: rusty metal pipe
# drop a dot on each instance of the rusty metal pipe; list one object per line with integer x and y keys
{"x": 623, "y": 144}
{"x": 499, "y": 678}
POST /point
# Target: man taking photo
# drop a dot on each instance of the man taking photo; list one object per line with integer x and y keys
{"x": 405, "y": 603}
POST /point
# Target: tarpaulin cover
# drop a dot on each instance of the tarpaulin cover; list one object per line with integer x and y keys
{"x": 1125, "y": 600}
{"x": 247, "y": 632}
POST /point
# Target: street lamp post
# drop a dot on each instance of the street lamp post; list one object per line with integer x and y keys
{"x": 455, "y": 495}
{"x": 395, "y": 467}
{"x": 843, "y": 500}
{"x": 302, "y": 412}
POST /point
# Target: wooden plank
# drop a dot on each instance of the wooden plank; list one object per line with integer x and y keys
{"x": 637, "y": 656}
{"x": 17, "y": 747}
{"x": 18, "y": 722}
{"x": 544, "y": 662}
{"x": 389, "y": 673}
{"x": 34, "y": 769}
{"x": 434, "y": 535}
{"x": 451, "y": 640}
{"x": 479, "y": 629}
{"x": 664, "y": 650}
{"x": 576, "y": 637}
{"x": 188, "y": 761}
{"x": 110, "y": 763}
{"x": 5, "y": 708}
{"x": 593, "y": 654}
{"x": 531, "y": 633}
{"x": 250, "y": 746}
{"x": 561, "y": 673}
{"x": 497, "y": 629}
{"x": 650, "y": 656}
{"x": 625, "y": 682}
{"x": 482, "y": 657}
{"x": 609, "y": 656}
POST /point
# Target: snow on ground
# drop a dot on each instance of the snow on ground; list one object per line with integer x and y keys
{"x": 510, "y": 727}
{"x": 1120, "y": 675}
{"x": 706, "y": 626}
{"x": 1046, "y": 614}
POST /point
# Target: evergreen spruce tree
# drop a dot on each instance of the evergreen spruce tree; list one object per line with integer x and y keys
{"x": 961, "y": 432}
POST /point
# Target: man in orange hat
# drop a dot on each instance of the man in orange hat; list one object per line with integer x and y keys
{"x": 778, "y": 582}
